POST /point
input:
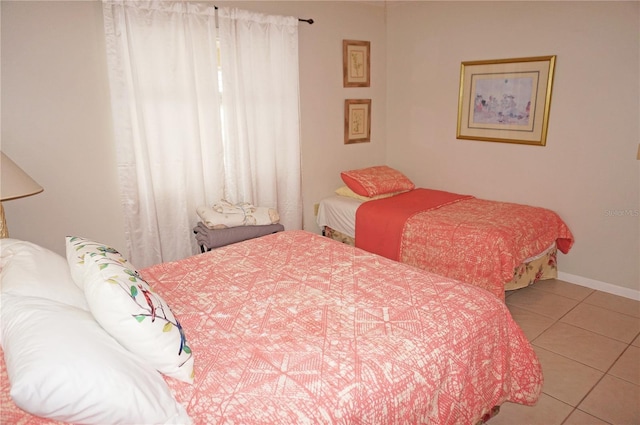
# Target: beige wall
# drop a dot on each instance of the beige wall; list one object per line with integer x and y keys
{"x": 588, "y": 171}
{"x": 56, "y": 122}
{"x": 56, "y": 118}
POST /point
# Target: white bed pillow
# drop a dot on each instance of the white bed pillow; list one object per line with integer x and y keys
{"x": 345, "y": 191}
{"x": 128, "y": 308}
{"x": 29, "y": 269}
{"x": 62, "y": 365}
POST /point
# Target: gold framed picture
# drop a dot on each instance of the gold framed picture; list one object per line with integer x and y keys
{"x": 356, "y": 63}
{"x": 506, "y": 100}
{"x": 357, "y": 121}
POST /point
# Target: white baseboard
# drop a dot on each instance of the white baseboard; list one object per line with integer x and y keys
{"x": 634, "y": 294}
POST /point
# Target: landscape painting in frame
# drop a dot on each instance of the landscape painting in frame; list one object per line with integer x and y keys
{"x": 506, "y": 100}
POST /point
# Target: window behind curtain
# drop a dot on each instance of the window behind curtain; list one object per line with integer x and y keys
{"x": 180, "y": 140}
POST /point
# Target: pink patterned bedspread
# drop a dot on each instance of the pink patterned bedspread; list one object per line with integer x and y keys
{"x": 473, "y": 240}
{"x": 480, "y": 241}
{"x": 296, "y": 328}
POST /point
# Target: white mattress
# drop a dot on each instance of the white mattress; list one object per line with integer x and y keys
{"x": 339, "y": 213}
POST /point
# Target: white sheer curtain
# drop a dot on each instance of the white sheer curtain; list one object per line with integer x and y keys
{"x": 173, "y": 150}
{"x": 259, "y": 58}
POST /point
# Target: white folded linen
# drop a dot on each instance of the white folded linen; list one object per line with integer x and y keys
{"x": 226, "y": 207}
{"x": 235, "y": 217}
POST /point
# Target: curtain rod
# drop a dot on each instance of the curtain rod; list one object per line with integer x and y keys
{"x": 309, "y": 21}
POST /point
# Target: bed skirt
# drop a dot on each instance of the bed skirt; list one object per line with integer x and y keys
{"x": 540, "y": 267}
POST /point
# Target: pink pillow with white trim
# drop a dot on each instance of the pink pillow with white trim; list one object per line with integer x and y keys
{"x": 378, "y": 180}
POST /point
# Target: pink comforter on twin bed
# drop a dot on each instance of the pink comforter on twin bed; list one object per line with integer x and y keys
{"x": 295, "y": 328}
{"x": 473, "y": 240}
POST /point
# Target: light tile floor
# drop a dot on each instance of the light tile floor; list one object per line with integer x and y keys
{"x": 588, "y": 343}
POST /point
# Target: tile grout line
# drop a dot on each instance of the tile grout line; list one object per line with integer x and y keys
{"x": 596, "y": 384}
{"x": 555, "y": 322}
{"x": 626, "y": 346}
{"x": 605, "y": 373}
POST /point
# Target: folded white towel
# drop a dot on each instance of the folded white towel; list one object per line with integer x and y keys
{"x": 226, "y": 207}
{"x": 260, "y": 216}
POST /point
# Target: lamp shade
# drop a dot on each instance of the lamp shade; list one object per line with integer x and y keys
{"x": 14, "y": 182}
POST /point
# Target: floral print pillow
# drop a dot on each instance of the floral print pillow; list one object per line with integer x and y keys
{"x": 77, "y": 247}
{"x": 127, "y": 307}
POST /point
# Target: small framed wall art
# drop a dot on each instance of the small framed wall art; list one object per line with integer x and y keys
{"x": 506, "y": 100}
{"x": 357, "y": 121}
{"x": 356, "y": 63}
